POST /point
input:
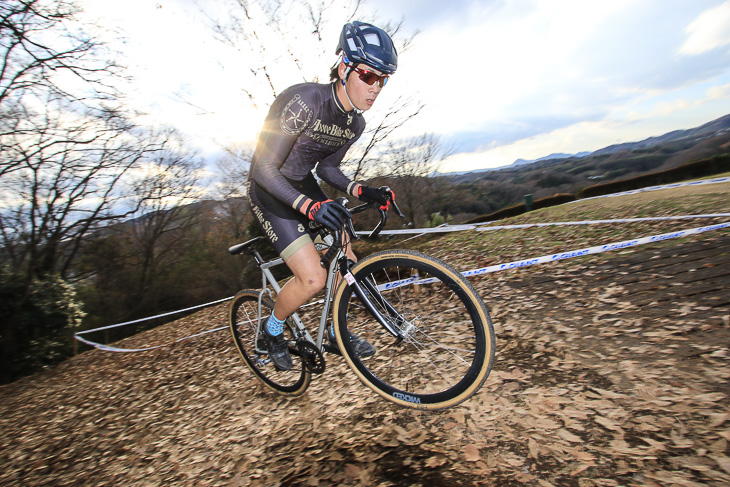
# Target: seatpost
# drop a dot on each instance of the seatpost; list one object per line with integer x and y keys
{"x": 257, "y": 257}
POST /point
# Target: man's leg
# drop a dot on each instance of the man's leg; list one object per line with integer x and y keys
{"x": 309, "y": 278}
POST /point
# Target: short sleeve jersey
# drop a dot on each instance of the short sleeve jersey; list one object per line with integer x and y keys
{"x": 306, "y": 126}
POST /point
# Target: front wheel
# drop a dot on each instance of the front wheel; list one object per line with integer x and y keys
{"x": 244, "y": 318}
{"x": 445, "y": 345}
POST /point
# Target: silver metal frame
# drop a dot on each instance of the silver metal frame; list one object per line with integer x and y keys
{"x": 269, "y": 282}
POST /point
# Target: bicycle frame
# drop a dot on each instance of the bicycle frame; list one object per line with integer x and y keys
{"x": 269, "y": 282}
{"x": 336, "y": 265}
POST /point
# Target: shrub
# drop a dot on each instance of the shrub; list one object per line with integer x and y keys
{"x": 37, "y": 324}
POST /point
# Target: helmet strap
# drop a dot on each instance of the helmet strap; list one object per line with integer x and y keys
{"x": 357, "y": 110}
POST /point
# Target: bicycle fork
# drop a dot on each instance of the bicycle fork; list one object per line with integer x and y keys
{"x": 369, "y": 296}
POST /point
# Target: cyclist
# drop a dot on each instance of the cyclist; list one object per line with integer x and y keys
{"x": 312, "y": 125}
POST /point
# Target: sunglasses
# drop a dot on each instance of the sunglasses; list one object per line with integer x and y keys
{"x": 369, "y": 78}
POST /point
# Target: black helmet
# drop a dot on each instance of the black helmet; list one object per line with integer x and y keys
{"x": 365, "y": 43}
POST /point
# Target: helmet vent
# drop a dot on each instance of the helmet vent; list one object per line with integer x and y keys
{"x": 372, "y": 39}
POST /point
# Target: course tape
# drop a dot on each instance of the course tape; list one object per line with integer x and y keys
{"x": 108, "y": 348}
{"x": 598, "y": 222}
{"x": 415, "y": 280}
{"x": 656, "y": 188}
{"x": 566, "y": 255}
{"x": 482, "y": 227}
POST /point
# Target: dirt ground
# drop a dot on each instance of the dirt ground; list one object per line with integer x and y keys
{"x": 609, "y": 372}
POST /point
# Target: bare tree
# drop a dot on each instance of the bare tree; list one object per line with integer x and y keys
{"x": 164, "y": 187}
{"x": 67, "y": 148}
{"x": 68, "y": 154}
{"x": 45, "y": 58}
{"x": 408, "y": 165}
{"x": 364, "y": 161}
{"x": 277, "y": 37}
{"x": 281, "y": 37}
{"x": 69, "y": 180}
{"x": 44, "y": 48}
{"x": 233, "y": 169}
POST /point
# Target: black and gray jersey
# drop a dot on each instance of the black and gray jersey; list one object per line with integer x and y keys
{"x": 306, "y": 126}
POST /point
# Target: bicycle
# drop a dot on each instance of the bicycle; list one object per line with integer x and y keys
{"x": 433, "y": 335}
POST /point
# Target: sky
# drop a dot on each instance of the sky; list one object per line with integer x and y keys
{"x": 501, "y": 79}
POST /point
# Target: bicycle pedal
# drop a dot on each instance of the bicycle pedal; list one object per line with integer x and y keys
{"x": 331, "y": 349}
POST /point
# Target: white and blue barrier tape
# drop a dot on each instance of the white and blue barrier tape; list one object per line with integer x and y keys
{"x": 598, "y": 222}
{"x": 482, "y": 227}
{"x": 656, "y": 188}
{"x": 474, "y": 272}
{"x": 566, "y": 255}
{"x": 108, "y": 348}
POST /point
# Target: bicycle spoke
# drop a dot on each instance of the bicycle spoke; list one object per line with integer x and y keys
{"x": 244, "y": 314}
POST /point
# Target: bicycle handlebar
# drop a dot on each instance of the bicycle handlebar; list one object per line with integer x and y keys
{"x": 337, "y": 234}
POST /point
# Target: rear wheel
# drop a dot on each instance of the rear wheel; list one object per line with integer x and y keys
{"x": 445, "y": 348}
{"x": 243, "y": 316}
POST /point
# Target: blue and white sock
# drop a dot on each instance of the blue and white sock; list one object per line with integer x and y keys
{"x": 274, "y": 326}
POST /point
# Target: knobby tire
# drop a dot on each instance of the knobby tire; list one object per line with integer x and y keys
{"x": 448, "y": 344}
{"x": 243, "y": 315}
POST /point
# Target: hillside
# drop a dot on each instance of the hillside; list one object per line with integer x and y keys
{"x": 610, "y": 370}
{"x": 483, "y": 192}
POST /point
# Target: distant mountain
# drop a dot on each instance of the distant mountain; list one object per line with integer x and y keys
{"x": 519, "y": 162}
{"x": 710, "y": 129}
{"x": 692, "y": 136}
{"x": 561, "y": 173}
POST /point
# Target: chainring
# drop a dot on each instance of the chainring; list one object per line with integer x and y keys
{"x": 311, "y": 356}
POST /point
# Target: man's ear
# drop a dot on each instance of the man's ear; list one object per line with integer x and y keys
{"x": 341, "y": 71}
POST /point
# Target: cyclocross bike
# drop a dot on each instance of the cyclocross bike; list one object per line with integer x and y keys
{"x": 432, "y": 332}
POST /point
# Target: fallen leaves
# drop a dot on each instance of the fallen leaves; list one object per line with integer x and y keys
{"x": 598, "y": 382}
{"x": 471, "y": 453}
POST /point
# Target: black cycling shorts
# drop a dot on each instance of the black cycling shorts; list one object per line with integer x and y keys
{"x": 286, "y": 228}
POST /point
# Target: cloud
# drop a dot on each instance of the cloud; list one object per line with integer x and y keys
{"x": 507, "y": 132}
{"x": 719, "y": 92}
{"x": 710, "y": 30}
{"x": 502, "y": 78}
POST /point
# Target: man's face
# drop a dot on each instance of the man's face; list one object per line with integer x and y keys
{"x": 362, "y": 94}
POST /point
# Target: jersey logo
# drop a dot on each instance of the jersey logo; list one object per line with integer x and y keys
{"x": 295, "y": 116}
{"x": 329, "y": 134}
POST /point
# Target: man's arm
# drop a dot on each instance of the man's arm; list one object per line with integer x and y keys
{"x": 286, "y": 120}
{"x": 329, "y": 170}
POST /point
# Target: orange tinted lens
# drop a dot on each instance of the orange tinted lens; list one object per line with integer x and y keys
{"x": 368, "y": 77}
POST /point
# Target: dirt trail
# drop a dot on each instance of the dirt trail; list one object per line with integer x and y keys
{"x": 611, "y": 372}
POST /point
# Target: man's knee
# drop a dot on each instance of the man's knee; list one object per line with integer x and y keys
{"x": 314, "y": 281}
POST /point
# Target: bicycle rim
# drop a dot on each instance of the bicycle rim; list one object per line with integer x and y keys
{"x": 243, "y": 315}
{"x": 447, "y": 346}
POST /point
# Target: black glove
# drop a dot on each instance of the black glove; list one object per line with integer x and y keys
{"x": 329, "y": 213}
{"x": 374, "y": 195}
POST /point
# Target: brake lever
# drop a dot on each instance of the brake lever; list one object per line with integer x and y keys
{"x": 397, "y": 210}
{"x": 351, "y": 229}
{"x": 389, "y": 195}
{"x": 376, "y": 231}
